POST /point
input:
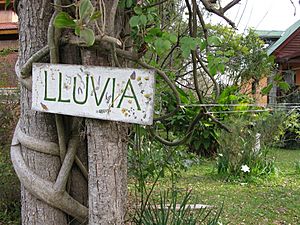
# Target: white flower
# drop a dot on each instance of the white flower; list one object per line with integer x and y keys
{"x": 245, "y": 169}
{"x": 221, "y": 155}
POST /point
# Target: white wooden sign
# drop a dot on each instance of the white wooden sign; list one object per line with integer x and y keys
{"x": 119, "y": 94}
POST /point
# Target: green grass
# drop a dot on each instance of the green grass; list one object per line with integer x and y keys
{"x": 275, "y": 200}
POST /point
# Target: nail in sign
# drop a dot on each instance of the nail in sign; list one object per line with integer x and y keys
{"x": 118, "y": 94}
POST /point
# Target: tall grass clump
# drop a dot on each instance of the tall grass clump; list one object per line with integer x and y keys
{"x": 243, "y": 152}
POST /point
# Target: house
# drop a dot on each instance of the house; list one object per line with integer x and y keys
{"x": 286, "y": 51}
{"x": 269, "y": 36}
{"x": 285, "y": 47}
{"x": 8, "y": 45}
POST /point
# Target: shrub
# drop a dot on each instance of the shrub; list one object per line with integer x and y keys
{"x": 148, "y": 159}
{"x": 243, "y": 151}
{"x": 203, "y": 139}
{"x": 290, "y": 132}
{"x": 9, "y": 183}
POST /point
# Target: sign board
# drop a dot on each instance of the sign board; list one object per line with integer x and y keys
{"x": 119, "y": 94}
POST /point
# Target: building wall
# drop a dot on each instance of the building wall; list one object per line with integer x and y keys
{"x": 297, "y": 78}
{"x": 8, "y": 16}
{"x": 259, "y": 98}
{"x": 9, "y": 44}
{"x": 8, "y": 47}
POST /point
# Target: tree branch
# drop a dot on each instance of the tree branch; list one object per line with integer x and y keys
{"x": 229, "y": 5}
{"x": 181, "y": 141}
{"x": 63, "y": 175}
{"x": 46, "y": 147}
{"x": 27, "y": 82}
{"x": 220, "y": 12}
{"x": 170, "y": 84}
{"x": 27, "y": 67}
{"x": 75, "y": 40}
{"x": 43, "y": 189}
{"x": 216, "y": 85}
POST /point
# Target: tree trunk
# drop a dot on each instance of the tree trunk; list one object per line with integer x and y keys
{"x": 78, "y": 184}
{"x": 33, "y": 36}
{"x": 107, "y": 143}
{"x": 107, "y": 160}
{"x": 107, "y": 172}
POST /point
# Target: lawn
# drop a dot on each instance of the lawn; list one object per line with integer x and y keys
{"x": 274, "y": 200}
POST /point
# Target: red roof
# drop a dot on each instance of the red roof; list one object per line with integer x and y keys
{"x": 8, "y": 26}
{"x": 290, "y": 48}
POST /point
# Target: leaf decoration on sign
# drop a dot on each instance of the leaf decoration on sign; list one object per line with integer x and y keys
{"x": 133, "y": 75}
{"x": 44, "y": 107}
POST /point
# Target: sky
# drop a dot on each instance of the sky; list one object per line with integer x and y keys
{"x": 264, "y": 14}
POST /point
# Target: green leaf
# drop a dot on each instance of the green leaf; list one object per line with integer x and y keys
{"x": 167, "y": 45}
{"x": 214, "y": 40}
{"x": 188, "y": 42}
{"x": 266, "y": 89}
{"x": 150, "y": 17}
{"x": 134, "y": 21}
{"x": 173, "y": 38}
{"x": 229, "y": 53}
{"x": 7, "y": 3}
{"x": 278, "y": 77}
{"x": 161, "y": 46}
{"x": 138, "y": 10}
{"x": 64, "y": 20}
{"x": 122, "y": 4}
{"x": 95, "y": 15}
{"x": 221, "y": 67}
{"x": 201, "y": 43}
{"x": 86, "y": 9}
{"x": 143, "y": 19}
{"x": 129, "y": 3}
{"x": 155, "y": 31}
{"x": 183, "y": 96}
{"x": 284, "y": 86}
{"x": 193, "y": 44}
{"x": 212, "y": 69}
{"x": 185, "y": 45}
{"x": 185, "y": 52}
{"x": 77, "y": 30}
{"x": 149, "y": 38}
{"x": 88, "y": 36}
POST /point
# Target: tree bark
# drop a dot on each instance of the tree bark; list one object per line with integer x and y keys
{"x": 78, "y": 184}
{"x": 107, "y": 172}
{"x": 107, "y": 143}
{"x": 33, "y": 25}
{"x": 107, "y": 160}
